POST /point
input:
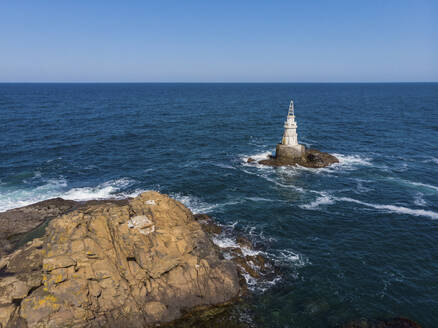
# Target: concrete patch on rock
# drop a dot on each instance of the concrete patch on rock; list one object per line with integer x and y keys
{"x": 141, "y": 223}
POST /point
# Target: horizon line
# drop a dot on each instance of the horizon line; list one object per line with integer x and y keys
{"x": 206, "y": 82}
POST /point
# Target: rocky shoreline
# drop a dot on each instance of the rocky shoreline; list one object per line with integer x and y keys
{"x": 146, "y": 260}
{"x": 311, "y": 158}
{"x": 139, "y": 262}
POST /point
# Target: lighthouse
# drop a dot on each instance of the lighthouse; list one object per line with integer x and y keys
{"x": 290, "y": 137}
{"x": 290, "y": 152}
{"x": 289, "y": 146}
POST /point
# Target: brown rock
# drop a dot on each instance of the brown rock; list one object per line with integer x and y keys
{"x": 155, "y": 309}
{"x": 56, "y": 262}
{"x": 208, "y": 225}
{"x": 147, "y": 259}
{"x": 16, "y": 222}
{"x": 244, "y": 242}
{"x": 6, "y": 312}
{"x": 312, "y": 158}
{"x": 26, "y": 223}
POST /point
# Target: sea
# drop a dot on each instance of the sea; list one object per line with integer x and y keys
{"x": 355, "y": 240}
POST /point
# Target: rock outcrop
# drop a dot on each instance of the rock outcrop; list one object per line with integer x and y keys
{"x": 16, "y": 222}
{"x": 311, "y": 158}
{"x": 145, "y": 261}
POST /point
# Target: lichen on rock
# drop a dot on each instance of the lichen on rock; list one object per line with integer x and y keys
{"x": 148, "y": 258}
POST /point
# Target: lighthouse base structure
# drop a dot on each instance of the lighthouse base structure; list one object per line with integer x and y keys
{"x": 286, "y": 152}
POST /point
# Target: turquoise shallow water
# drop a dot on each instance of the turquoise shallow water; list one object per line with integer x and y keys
{"x": 359, "y": 239}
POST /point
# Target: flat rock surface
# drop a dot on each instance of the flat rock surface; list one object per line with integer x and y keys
{"x": 145, "y": 261}
{"x": 312, "y": 158}
{"x": 15, "y": 222}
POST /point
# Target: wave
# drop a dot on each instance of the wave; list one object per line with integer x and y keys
{"x": 261, "y": 199}
{"x": 394, "y": 208}
{"x": 227, "y": 242}
{"x": 112, "y": 189}
{"x": 257, "y": 157}
{"x": 323, "y": 200}
{"x": 328, "y": 200}
{"x": 198, "y": 206}
{"x": 58, "y": 188}
{"x": 274, "y": 181}
{"x": 419, "y": 200}
{"x": 105, "y": 190}
{"x": 17, "y": 198}
{"x": 352, "y": 160}
{"x": 417, "y": 184}
{"x": 431, "y": 160}
{"x": 346, "y": 162}
{"x": 283, "y": 257}
{"x": 287, "y": 256}
{"x": 224, "y": 166}
{"x": 360, "y": 187}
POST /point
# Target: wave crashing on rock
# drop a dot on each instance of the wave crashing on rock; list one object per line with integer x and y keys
{"x": 147, "y": 259}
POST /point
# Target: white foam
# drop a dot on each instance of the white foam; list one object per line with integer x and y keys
{"x": 419, "y": 184}
{"x": 431, "y": 160}
{"x": 198, "y": 206}
{"x": 353, "y": 160}
{"x": 17, "y": 198}
{"x": 224, "y": 166}
{"x": 327, "y": 200}
{"x": 58, "y": 188}
{"x": 105, "y": 190}
{"x": 360, "y": 187}
{"x": 132, "y": 194}
{"x": 346, "y": 162}
{"x": 265, "y": 176}
{"x": 419, "y": 200}
{"x": 394, "y": 208}
{"x": 290, "y": 257}
{"x": 283, "y": 257}
{"x": 258, "y": 284}
{"x": 323, "y": 200}
{"x": 227, "y": 242}
{"x": 261, "y": 199}
{"x": 250, "y": 281}
{"x": 257, "y": 157}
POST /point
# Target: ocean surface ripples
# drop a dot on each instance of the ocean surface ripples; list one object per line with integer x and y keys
{"x": 357, "y": 239}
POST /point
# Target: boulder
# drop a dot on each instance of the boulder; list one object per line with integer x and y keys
{"x": 146, "y": 260}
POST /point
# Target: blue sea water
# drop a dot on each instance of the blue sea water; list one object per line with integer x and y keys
{"x": 358, "y": 239}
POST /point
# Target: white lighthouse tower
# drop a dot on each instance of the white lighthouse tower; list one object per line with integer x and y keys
{"x": 290, "y": 137}
{"x": 289, "y": 146}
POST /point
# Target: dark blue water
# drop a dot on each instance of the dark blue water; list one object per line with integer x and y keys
{"x": 359, "y": 239}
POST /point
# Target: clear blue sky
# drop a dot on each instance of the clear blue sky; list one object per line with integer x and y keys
{"x": 218, "y": 41}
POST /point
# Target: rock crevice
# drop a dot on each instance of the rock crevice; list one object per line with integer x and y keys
{"x": 147, "y": 258}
